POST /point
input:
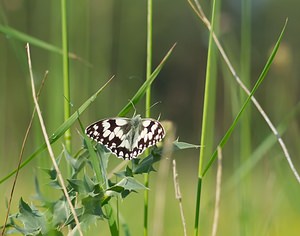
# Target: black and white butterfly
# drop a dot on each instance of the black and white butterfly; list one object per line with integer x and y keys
{"x": 127, "y": 138}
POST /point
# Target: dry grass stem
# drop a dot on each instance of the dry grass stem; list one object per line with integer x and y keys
{"x": 218, "y": 193}
{"x": 21, "y": 155}
{"x": 59, "y": 175}
{"x": 162, "y": 180}
{"x": 178, "y": 197}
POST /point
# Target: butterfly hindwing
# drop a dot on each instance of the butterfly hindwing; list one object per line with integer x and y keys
{"x": 151, "y": 133}
{"x": 124, "y": 137}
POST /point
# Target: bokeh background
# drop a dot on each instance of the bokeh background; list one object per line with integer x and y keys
{"x": 110, "y": 38}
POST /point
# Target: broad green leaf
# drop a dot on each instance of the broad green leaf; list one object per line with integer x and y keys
{"x": 92, "y": 206}
{"x": 33, "y": 221}
{"x": 130, "y": 184}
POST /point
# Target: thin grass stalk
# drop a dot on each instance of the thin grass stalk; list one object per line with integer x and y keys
{"x": 218, "y": 193}
{"x": 204, "y": 122}
{"x": 51, "y": 154}
{"x": 21, "y": 155}
{"x": 210, "y": 124}
{"x": 148, "y": 102}
{"x": 178, "y": 196}
{"x": 65, "y": 61}
{"x": 161, "y": 192}
{"x": 245, "y": 129}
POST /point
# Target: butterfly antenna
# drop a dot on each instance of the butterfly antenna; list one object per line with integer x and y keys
{"x": 154, "y": 104}
{"x": 133, "y": 107}
{"x": 158, "y": 118}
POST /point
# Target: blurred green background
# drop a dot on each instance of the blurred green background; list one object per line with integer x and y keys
{"x": 109, "y": 38}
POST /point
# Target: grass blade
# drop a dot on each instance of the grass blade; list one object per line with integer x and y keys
{"x": 206, "y": 103}
{"x": 12, "y": 33}
{"x": 257, "y": 84}
{"x": 60, "y": 131}
{"x": 146, "y": 84}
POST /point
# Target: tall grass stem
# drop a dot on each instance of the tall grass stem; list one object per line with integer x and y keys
{"x": 65, "y": 65}
{"x": 245, "y": 126}
{"x": 148, "y": 102}
{"x": 204, "y": 121}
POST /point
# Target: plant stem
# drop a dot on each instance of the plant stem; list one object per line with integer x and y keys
{"x": 204, "y": 122}
{"x": 65, "y": 58}
{"x": 148, "y": 101}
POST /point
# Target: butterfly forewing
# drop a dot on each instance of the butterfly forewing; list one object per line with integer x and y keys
{"x": 124, "y": 137}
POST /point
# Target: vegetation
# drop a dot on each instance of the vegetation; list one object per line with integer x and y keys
{"x": 87, "y": 191}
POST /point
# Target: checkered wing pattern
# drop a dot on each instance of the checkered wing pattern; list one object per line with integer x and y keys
{"x": 126, "y": 138}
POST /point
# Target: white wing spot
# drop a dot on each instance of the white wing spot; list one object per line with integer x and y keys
{"x": 95, "y": 127}
{"x": 118, "y": 131}
{"x": 105, "y": 125}
{"x": 146, "y": 123}
{"x": 125, "y": 144}
{"x": 143, "y": 133}
{"x": 154, "y": 127}
{"x": 111, "y": 136}
{"x": 106, "y": 133}
{"x": 121, "y": 122}
{"x": 121, "y": 153}
{"x": 150, "y": 136}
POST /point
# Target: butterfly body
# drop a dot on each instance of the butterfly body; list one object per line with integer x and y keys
{"x": 126, "y": 137}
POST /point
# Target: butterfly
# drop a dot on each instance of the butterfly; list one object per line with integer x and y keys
{"x": 126, "y": 138}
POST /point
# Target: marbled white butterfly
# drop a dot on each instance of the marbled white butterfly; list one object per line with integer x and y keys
{"x": 126, "y": 137}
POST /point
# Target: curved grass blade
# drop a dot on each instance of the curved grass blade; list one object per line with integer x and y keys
{"x": 61, "y": 130}
{"x": 142, "y": 90}
{"x": 10, "y": 32}
{"x": 257, "y": 84}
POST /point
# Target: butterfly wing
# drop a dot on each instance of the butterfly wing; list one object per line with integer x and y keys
{"x": 150, "y": 132}
{"x": 126, "y": 138}
{"x": 112, "y": 133}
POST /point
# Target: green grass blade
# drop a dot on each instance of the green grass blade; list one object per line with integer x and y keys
{"x": 61, "y": 130}
{"x": 257, "y": 84}
{"x": 142, "y": 90}
{"x": 12, "y": 33}
{"x": 260, "y": 151}
{"x": 205, "y": 116}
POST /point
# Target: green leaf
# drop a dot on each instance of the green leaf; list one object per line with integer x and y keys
{"x": 145, "y": 165}
{"x": 33, "y": 221}
{"x": 182, "y": 145}
{"x": 129, "y": 183}
{"x": 92, "y": 206}
{"x": 59, "y": 212}
{"x": 76, "y": 164}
